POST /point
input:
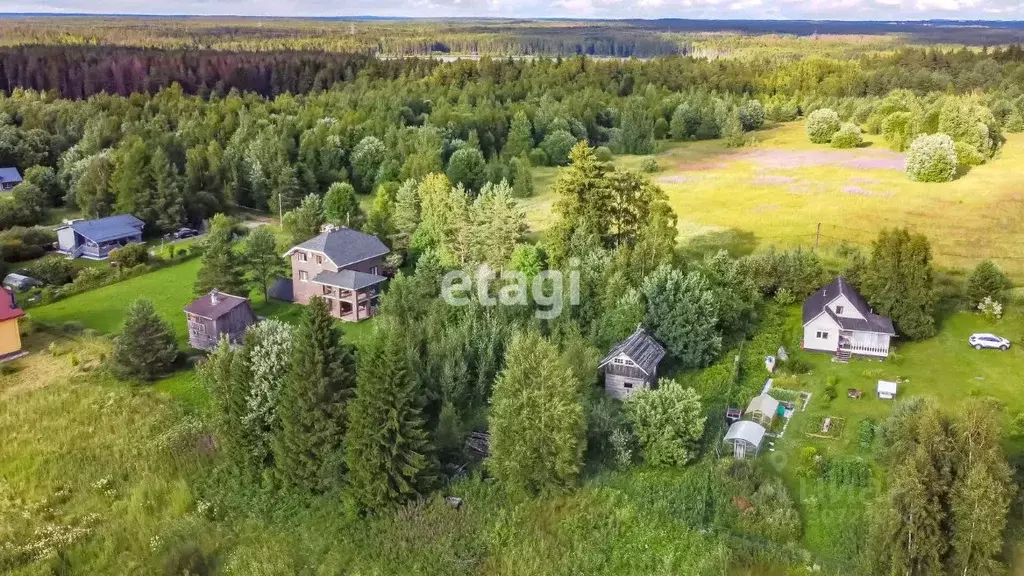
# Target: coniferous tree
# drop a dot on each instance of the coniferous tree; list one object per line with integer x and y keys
{"x": 389, "y": 453}
{"x": 145, "y": 348}
{"x": 898, "y": 282}
{"x": 308, "y": 448}
{"x": 407, "y": 214}
{"x": 168, "y": 203}
{"x": 536, "y": 420}
{"x": 220, "y": 267}
{"x": 520, "y": 136}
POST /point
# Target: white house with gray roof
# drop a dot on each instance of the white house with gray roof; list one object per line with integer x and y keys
{"x": 838, "y": 320}
{"x": 632, "y": 364}
{"x": 344, "y": 267}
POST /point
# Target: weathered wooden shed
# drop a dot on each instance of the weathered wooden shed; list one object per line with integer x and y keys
{"x": 632, "y": 364}
{"x": 215, "y": 315}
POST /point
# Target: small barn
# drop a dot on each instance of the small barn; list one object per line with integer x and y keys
{"x": 215, "y": 315}
{"x": 632, "y": 364}
{"x": 745, "y": 437}
{"x": 763, "y": 409}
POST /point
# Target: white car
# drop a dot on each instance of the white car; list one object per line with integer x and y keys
{"x": 980, "y": 341}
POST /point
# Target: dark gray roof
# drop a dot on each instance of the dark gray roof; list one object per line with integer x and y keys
{"x": 817, "y": 303}
{"x": 209, "y": 307}
{"x": 873, "y": 323}
{"x": 109, "y": 228}
{"x": 348, "y": 279}
{"x": 640, "y": 348}
{"x": 345, "y": 246}
{"x": 282, "y": 289}
{"x": 9, "y": 174}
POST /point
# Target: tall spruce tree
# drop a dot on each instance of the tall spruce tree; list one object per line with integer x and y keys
{"x": 308, "y": 449}
{"x": 169, "y": 204}
{"x": 536, "y": 421}
{"x": 145, "y": 348}
{"x": 220, "y": 266}
{"x": 389, "y": 452}
{"x": 520, "y": 136}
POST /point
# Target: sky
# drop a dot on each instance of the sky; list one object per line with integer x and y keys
{"x": 700, "y": 9}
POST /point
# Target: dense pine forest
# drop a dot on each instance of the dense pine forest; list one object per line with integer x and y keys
{"x": 476, "y": 438}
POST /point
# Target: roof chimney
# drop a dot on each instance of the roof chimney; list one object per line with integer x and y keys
{"x": 214, "y": 297}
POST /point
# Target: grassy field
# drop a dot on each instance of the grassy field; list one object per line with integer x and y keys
{"x": 944, "y": 368}
{"x": 779, "y": 191}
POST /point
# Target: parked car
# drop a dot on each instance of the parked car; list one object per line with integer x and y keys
{"x": 980, "y": 341}
{"x": 186, "y": 233}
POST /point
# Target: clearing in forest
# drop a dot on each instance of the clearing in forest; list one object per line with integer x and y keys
{"x": 777, "y": 193}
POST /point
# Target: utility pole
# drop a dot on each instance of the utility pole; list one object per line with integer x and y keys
{"x": 280, "y": 212}
{"x": 817, "y": 236}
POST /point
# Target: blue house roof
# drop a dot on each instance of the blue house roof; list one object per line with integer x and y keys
{"x": 10, "y": 174}
{"x": 109, "y": 228}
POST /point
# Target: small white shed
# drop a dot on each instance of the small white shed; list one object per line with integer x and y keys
{"x": 745, "y": 437}
{"x": 886, "y": 389}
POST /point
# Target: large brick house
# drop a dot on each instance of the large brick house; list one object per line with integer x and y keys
{"x": 344, "y": 267}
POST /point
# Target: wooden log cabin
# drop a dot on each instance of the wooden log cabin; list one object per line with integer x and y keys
{"x": 216, "y": 315}
{"x": 632, "y": 364}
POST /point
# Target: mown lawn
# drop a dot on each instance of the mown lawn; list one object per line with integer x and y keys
{"x": 944, "y": 368}
{"x": 778, "y": 192}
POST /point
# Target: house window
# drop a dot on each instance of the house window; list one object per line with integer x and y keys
{"x": 623, "y": 362}
{"x": 319, "y": 259}
{"x": 839, "y": 309}
{"x": 301, "y": 256}
{"x": 821, "y": 335}
{"x": 627, "y": 384}
{"x": 373, "y": 270}
{"x": 303, "y": 276}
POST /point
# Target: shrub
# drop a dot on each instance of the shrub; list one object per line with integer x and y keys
{"x": 557, "y": 146}
{"x": 752, "y": 115}
{"x": 669, "y": 423}
{"x": 848, "y": 136}
{"x": 967, "y": 155}
{"x": 812, "y": 464}
{"x": 932, "y": 158}
{"x": 130, "y": 256}
{"x": 603, "y": 154}
{"x": 186, "y": 560}
{"x": 54, "y": 270}
{"x": 990, "y": 309}
{"x": 986, "y": 280}
{"x": 1014, "y": 122}
{"x": 822, "y": 125}
{"x": 649, "y": 164}
{"x": 866, "y": 432}
{"x": 538, "y": 157}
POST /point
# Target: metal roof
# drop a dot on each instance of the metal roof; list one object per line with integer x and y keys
{"x": 8, "y": 306}
{"x": 215, "y": 304}
{"x": 348, "y": 279}
{"x": 817, "y": 303}
{"x": 764, "y": 404}
{"x": 10, "y": 174}
{"x": 109, "y": 228}
{"x": 641, "y": 348}
{"x": 747, "y": 431}
{"x": 344, "y": 246}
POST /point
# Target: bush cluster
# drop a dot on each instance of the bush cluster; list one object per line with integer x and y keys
{"x": 822, "y": 125}
{"x": 932, "y": 158}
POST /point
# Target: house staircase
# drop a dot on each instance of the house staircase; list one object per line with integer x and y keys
{"x": 843, "y": 356}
